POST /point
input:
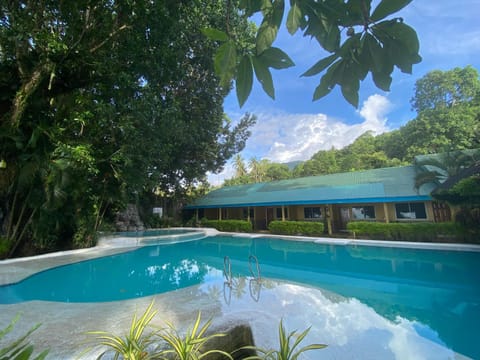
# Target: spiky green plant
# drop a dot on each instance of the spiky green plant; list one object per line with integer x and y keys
{"x": 19, "y": 349}
{"x": 136, "y": 344}
{"x": 190, "y": 346}
{"x": 287, "y": 350}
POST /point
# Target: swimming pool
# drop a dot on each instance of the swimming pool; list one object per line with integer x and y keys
{"x": 437, "y": 291}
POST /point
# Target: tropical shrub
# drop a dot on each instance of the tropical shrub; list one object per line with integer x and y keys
{"x": 287, "y": 350}
{"x": 229, "y": 225}
{"x": 136, "y": 345}
{"x": 192, "y": 345}
{"x": 406, "y": 231}
{"x": 4, "y": 247}
{"x": 196, "y": 344}
{"x": 296, "y": 227}
{"x": 19, "y": 349}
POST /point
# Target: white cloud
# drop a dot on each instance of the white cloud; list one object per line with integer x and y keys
{"x": 218, "y": 179}
{"x": 291, "y": 137}
{"x": 282, "y": 137}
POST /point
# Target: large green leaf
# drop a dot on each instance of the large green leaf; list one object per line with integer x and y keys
{"x": 328, "y": 81}
{"x": 264, "y": 76}
{"x": 276, "y": 58}
{"x": 382, "y": 80}
{"x": 294, "y": 18}
{"x": 388, "y": 7}
{"x": 355, "y": 12}
{"x": 215, "y": 34}
{"x": 268, "y": 30}
{"x": 374, "y": 52}
{"x": 350, "y": 85}
{"x": 406, "y": 35}
{"x": 244, "y": 79}
{"x": 320, "y": 65}
{"x": 225, "y": 61}
{"x": 251, "y": 6}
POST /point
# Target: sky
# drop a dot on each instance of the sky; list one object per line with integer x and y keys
{"x": 293, "y": 127}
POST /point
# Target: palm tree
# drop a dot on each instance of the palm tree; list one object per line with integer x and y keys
{"x": 240, "y": 168}
{"x": 258, "y": 169}
{"x": 444, "y": 171}
{"x": 438, "y": 168}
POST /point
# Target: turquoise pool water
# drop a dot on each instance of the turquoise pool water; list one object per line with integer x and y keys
{"x": 439, "y": 290}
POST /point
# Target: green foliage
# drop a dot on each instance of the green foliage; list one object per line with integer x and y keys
{"x": 102, "y": 101}
{"x": 259, "y": 171}
{"x": 140, "y": 343}
{"x": 19, "y": 349}
{"x": 4, "y": 247}
{"x": 228, "y": 225}
{"x": 154, "y": 221}
{"x": 466, "y": 192}
{"x": 287, "y": 350}
{"x": 438, "y": 168}
{"x": 136, "y": 344}
{"x": 191, "y": 346}
{"x": 373, "y": 44}
{"x": 445, "y": 89}
{"x": 421, "y": 231}
{"x": 309, "y": 228}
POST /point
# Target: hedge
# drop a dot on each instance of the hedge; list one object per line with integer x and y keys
{"x": 228, "y": 225}
{"x": 296, "y": 227}
{"x": 406, "y": 231}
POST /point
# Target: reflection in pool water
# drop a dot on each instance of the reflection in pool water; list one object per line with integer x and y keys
{"x": 351, "y": 329}
{"x": 419, "y": 301}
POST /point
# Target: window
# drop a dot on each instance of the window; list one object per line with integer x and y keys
{"x": 312, "y": 213}
{"x": 246, "y": 213}
{"x": 279, "y": 213}
{"x": 363, "y": 212}
{"x": 410, "y": 211}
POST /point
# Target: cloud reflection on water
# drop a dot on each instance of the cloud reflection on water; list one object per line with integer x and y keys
{"x": 351, "y": 329}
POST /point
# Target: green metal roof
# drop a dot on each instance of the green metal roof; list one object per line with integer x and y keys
{"x": 378, "y": 185}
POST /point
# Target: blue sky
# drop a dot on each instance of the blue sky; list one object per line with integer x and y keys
{"x": 292, "y": 127}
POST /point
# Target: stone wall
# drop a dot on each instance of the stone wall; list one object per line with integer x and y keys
{"x": 129, "y": 219}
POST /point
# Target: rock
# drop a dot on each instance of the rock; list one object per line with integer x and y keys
{"x": 236, "y": 337}
{"x": 129, "y": 219}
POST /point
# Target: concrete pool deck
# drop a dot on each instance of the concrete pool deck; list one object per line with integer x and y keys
{"x": 350, "y": 328}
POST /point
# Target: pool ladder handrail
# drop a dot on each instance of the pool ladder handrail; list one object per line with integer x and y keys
{"x": 227, "y": 271}
{"x": 258, "y": 276}
{"x": 255, "y": 283}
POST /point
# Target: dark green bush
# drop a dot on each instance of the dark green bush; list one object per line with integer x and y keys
{"x": 228, "y": 225}
{"x": 296, "y": 227}
{"x": 4, "y": 247}
{"x": 424, "y": 231}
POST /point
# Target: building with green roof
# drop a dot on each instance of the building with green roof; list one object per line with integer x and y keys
{"x": 385, "y": 195}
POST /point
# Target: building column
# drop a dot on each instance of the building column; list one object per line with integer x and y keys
{"x": 385, "y": 210}
{"x": 248, "y": 213}
{"x": 329, "y": 219}
{"x": 196, "y": 215}
{"x": 220, "y": 213}
{"x": 283, "y": 213}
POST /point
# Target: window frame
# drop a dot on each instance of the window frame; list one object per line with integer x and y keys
{"x": 311, "y": 210}
{"x": 365, "y": 213}
{"x": 409, "y": 210}
{"x": 278, "y": 212}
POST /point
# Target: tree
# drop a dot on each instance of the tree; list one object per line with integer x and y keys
{"x": 360, "y": 40}
{"x": 456, "y": 176}
{"x": 437, "y": 169}
{"x": 276, "y": 171}
{"x": 240, "y": 168}
{"x": 448, "y": 106}
{"x": 104, "y": 101}
{"x": 321, "y": 163}
{"x": 445, "y": 89}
